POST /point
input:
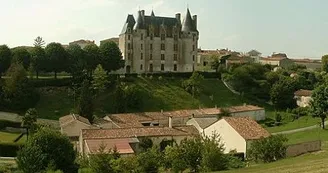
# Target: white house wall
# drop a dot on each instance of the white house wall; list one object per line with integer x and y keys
{"x": 229, "y": 137}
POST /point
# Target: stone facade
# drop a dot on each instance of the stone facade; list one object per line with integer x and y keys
{"x": 153, "y": 44}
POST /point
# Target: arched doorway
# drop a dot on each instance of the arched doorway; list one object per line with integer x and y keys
{"x": 128, "y": 69}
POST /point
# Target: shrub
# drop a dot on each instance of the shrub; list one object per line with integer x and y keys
{"x": 9, "y": 149}
{"x": 278, "y": 118}
{"x": 268, "y": 149}
{"x": 150, "y": 161}
{"x": 300, "y": 111}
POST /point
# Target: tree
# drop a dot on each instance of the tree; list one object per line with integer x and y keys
{"x": 319, "y": 104}
{"x": 38, "y": 60}
{"x": 101, "y": 162}
{"x": 85, "y": 102}
{"x": 215, "y": 64}
{"x": 268, "y": 149}
{"x": 127, "y": 165}
{"x": 29, "y": 120}
{"x": 39, "y": 42}
{"x": 47, "y": 147}
{"x": 5, "y": 58}
{"x": 173, "y": 159}
{"x": 57, "y": 58}
{"x": 21, "y": 56}
{"x": 193, "y": 84}
{"x": 92, "y": 57}
{"x": 76, "y": 59}
{"x": 324, "y": 60}
{"x": 150, "y": 161}
{"x": 282, "y": 93}
{"x": 191, "y": 150}
{"x": 19, "y": 94}
{"x": 100, "y": 79}
{"x": 111, "y": 56}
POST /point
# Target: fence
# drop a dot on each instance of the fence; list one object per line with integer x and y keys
{"x": 303, "y": 148}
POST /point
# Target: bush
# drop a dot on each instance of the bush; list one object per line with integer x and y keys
{"x": 38, "y": 83}
{"x": 9, "y": 149}
{"x": 235, "y": 162}
{"x": 268, "y": 149}
{"x": 300, "y": 111}
{"x": 5, "y": 123}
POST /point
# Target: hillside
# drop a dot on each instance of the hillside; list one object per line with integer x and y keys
{"x": 166, "y": 94}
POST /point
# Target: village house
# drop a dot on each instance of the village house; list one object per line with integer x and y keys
{"x": 310, "y": 64}
{"x": 303, "y": 97}
{"x": 279, "y": 59}
{"x": 179, "y": 117}
{"x": 82, "y": 43}
{"x": 236, "y": 133}
{"x": 254, "y": 55}
{"x": 71, "y": 125}
{"x": 127, "y": 140}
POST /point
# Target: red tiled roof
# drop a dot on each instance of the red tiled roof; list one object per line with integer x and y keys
{"x": 122, "y": 145}
{"x": 138, "y": 131}
{"x": 248, "y": 128}
{"x": 303, "y": 93}
{"x": 66, "y": 120}
{"x": 83, "y": 41}
{"x": 273, "y": 59}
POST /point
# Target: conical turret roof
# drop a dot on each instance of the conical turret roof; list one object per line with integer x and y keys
{"x": 188, "y": 24}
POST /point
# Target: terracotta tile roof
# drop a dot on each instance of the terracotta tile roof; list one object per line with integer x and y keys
{"x": 122, "y": 145}
{"x": 273, "y": 59}
{"x": 248, "y": 128}
{"x": 66, "y": 120}
{"x": 303, "y": 93}
{"x": 82, "y": 42}
{"x": 279, "y": 55}
{"x": 137, "y": 132}
{"x": 306, "y": 60}
{"x": 135, "y": 119}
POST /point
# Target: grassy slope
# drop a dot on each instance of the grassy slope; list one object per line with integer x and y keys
{"x": 165, "y": 94}
{"x": 300, "y": 123}
{"x": 309, "y": 135}
{"x": 6, "y": 137}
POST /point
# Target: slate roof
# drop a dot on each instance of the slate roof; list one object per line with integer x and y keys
{"x": 302, "y": 92}
{"x": 205, "y": 122}
{"x": 129, "y": 23}
{"x": 248, "y": 128}
{"x": 188, "y": 24}
{"x": 138, "y": 132}
{"x": 66, "y": 120}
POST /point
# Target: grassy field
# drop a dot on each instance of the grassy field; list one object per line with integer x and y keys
{"x": 6, "y": 137}
{"x": 166, "y": 94}
{"x": 309, "y": 135}
{"x": 305, "y": 121}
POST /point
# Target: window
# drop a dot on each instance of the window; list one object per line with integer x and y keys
{"x": 162, "y": 57}
{"x": 141, "y": 37}
{"x": 193, "y": 47}
{"x": 175, "y": 47}
{"x": 162, "y": 36}
{"x": 150, "y": 56}
{"x": 141, "y": 56}
{"x": 162, "y": 46}
{"x": 204, "y": 63}
{"x": 141, "y": 66}
{"x": 193, "y": 58}
{"x": 141, "y": 46}
{"x": 151, "y": 67}
{"x": 162, "y": 67}
{"x": 129, "y": 46}
{"x": 129, "y": 37}
{"x": 175, "y": 67}
{"x": 151, "y": 36}
{"x": 129, "y": 56}
{"x": 175, "y": 37}
{"x": 151, "y": 46}
{"x": 175, "y": 57}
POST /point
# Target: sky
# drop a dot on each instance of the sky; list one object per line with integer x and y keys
{"x": 296, "y": 27}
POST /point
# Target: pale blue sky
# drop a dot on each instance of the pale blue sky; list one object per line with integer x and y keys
{"x": 296, "y": 27}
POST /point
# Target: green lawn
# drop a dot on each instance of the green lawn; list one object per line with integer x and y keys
{"x": 305, "y": 121}
{"x": 6, "y": 137}
{"x": 309, "y": 135}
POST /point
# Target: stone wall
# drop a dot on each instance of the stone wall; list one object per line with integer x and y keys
{"x": 303, "y": 148}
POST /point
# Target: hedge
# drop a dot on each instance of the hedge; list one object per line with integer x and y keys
{"x": 5, "y": 123}
{"x": 9, "y": 149}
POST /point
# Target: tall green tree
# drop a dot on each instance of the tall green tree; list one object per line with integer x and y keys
{"x": 92, "y": 57}
{"x": 324, "y": 61}
{"x": 39, "y": 42}
{"x": 150, "y": 160}
{"x": 47, "y": 147}
{"x": 85, "y": 105}
{"x": 193, "y": 84}
{"x": 19, "y": 93}
{"x": 100, "y": 79}
{"x": 282, "y": 93}
{"x": 5, "y": 59}
{"x": 111, "y": 56}
{"x": 57, "y": 58}
{"x": 21, "y": 55}
{"x": 77, "y": 60}
{"x": 29, "y": 120}
{"x": 319, "y": 104}
{"x": 38, "y": 60}
{"x": 102, "y": 161}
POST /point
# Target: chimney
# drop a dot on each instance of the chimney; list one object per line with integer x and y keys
{"x": 178, "y": 16}
{"x": 194, "y": 18}
{"x": 170, "y": 122}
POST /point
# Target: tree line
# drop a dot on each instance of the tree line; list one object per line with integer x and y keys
{"x": 55, "y": 58}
